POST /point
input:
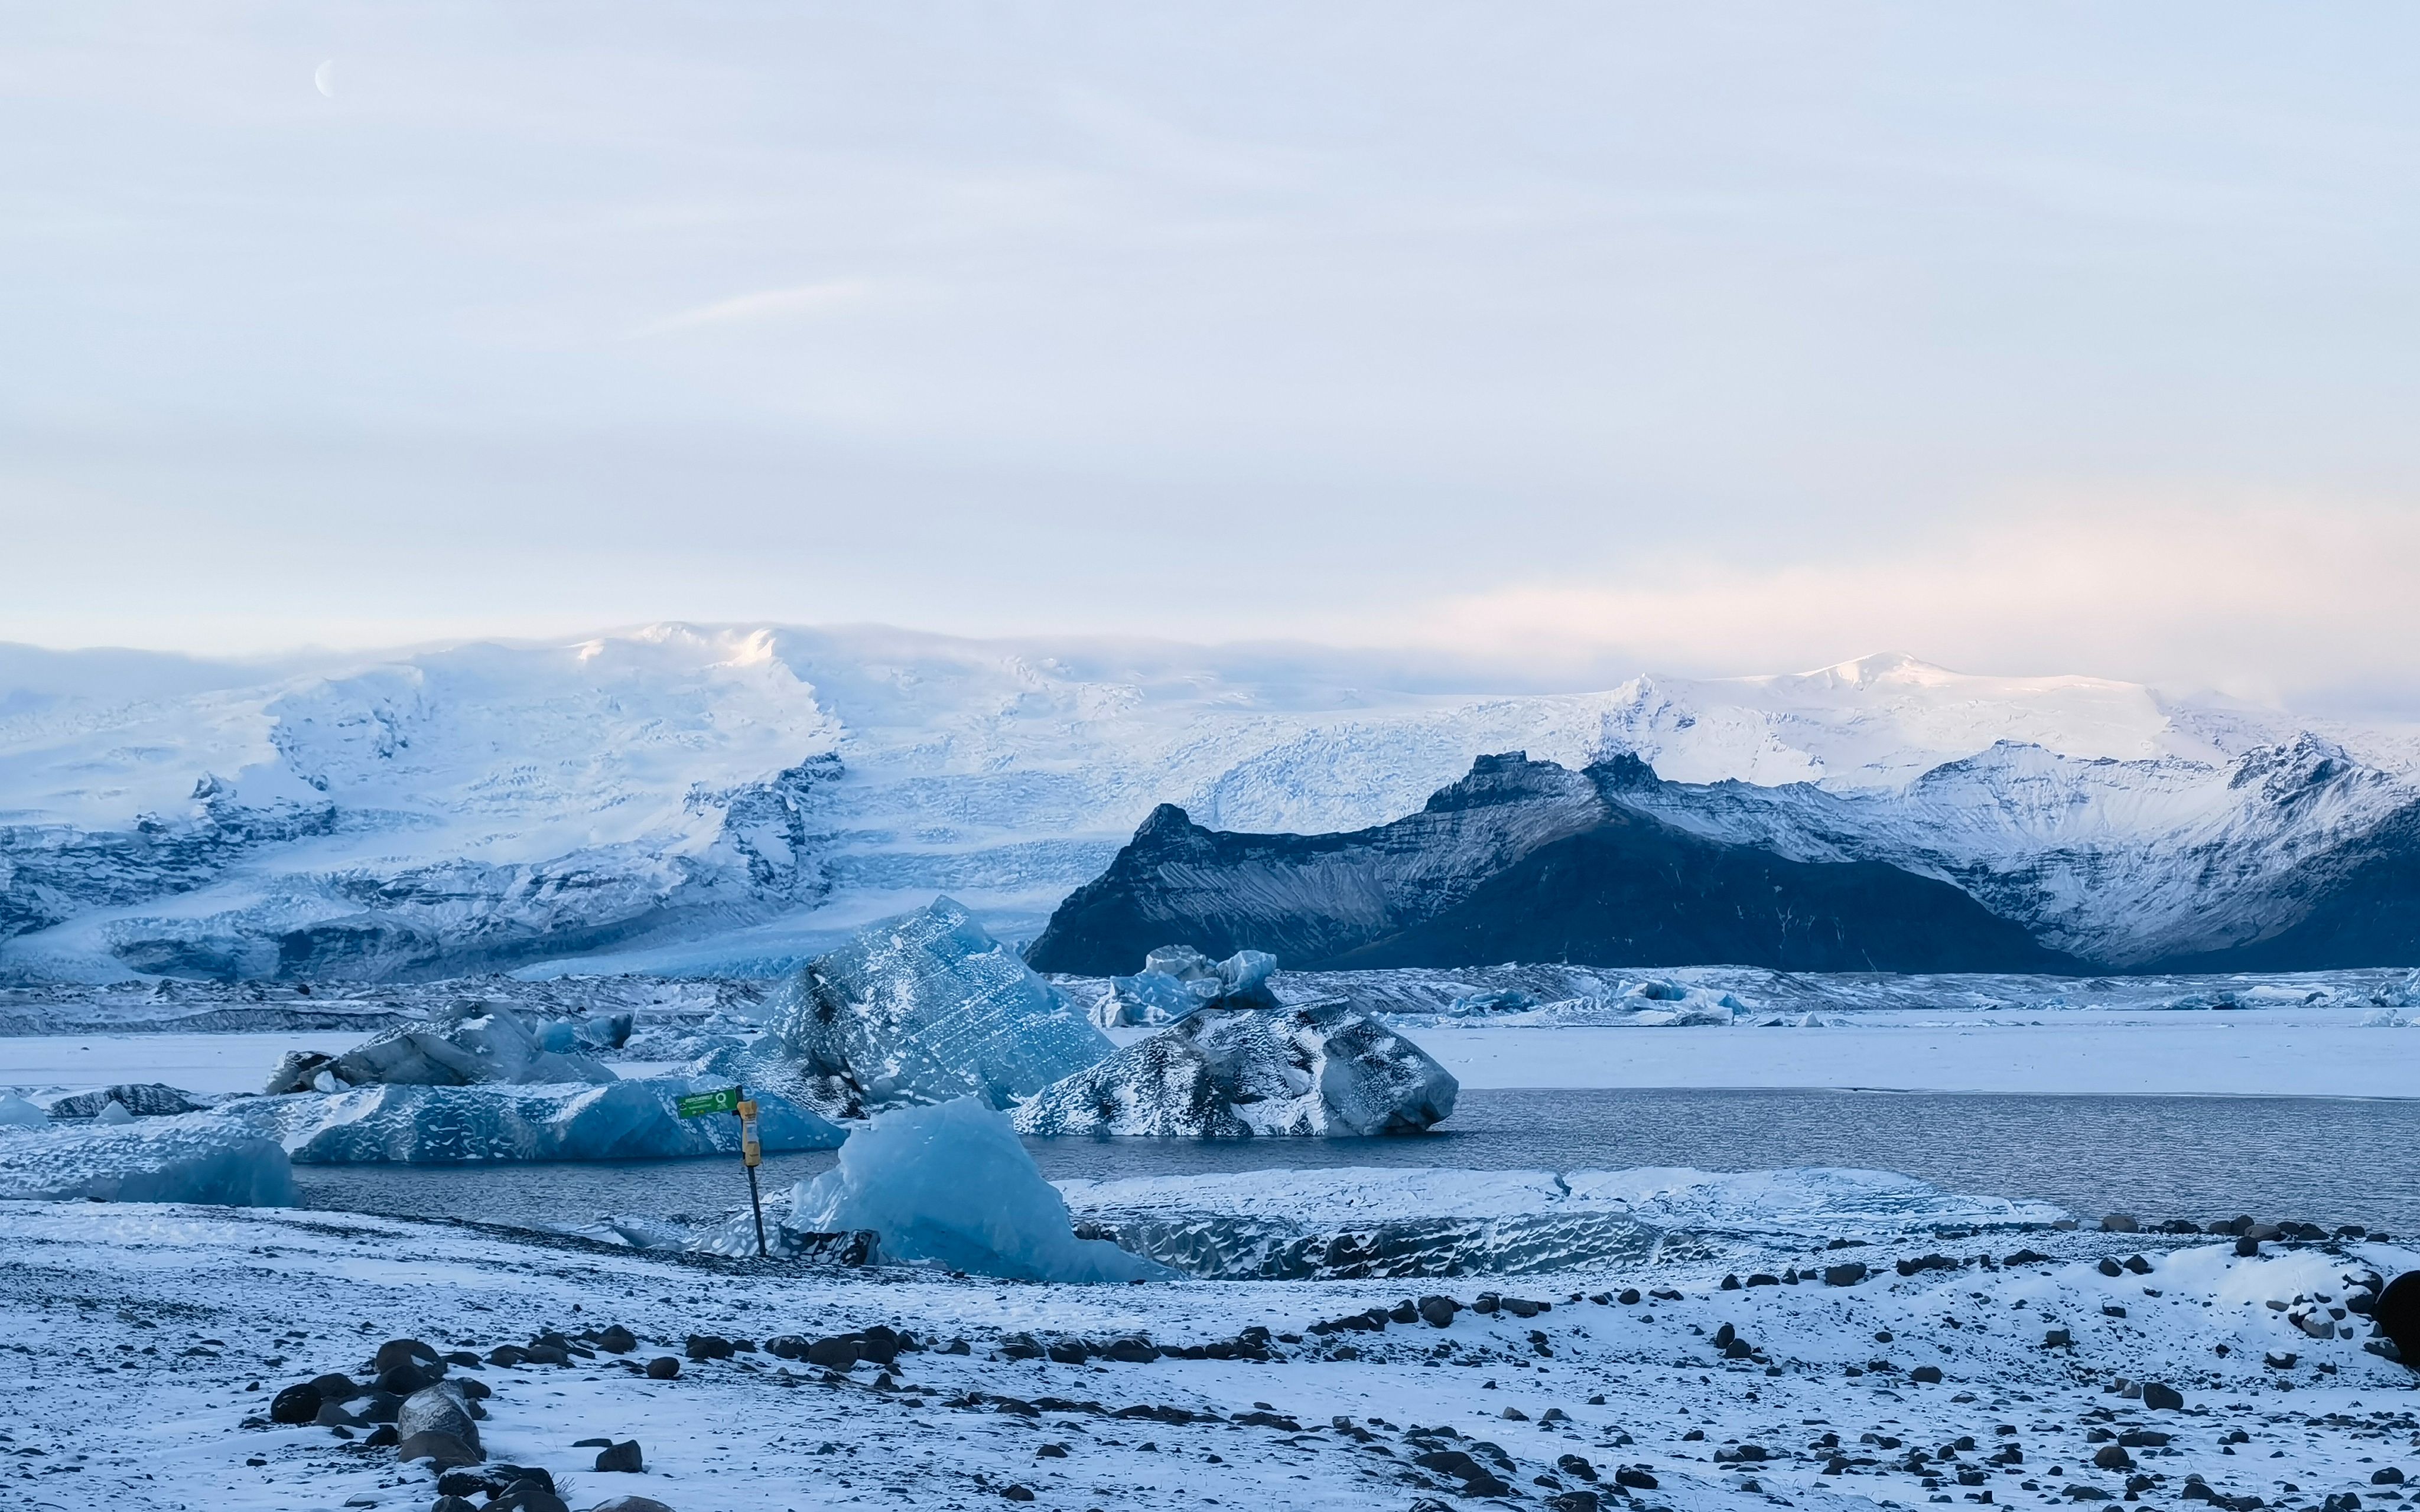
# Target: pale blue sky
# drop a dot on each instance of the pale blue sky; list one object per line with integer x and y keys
{"x": 1707, "y": 337}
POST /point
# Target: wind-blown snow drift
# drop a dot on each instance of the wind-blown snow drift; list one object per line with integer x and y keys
{"x": 949, "y": 1185}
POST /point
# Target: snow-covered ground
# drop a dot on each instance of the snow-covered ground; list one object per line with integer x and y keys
{"x": 149, "y": 1340}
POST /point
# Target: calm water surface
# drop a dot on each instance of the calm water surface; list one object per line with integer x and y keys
{"x": 2320, "y": 1160}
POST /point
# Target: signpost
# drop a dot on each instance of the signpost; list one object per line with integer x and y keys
{"x": 752, "y": 1149}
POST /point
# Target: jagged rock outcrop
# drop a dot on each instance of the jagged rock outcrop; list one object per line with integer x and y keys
{"x": 1523, "y": 862}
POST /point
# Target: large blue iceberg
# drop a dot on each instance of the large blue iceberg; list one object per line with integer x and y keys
{"x": 193, "y": 1158}
{"x": 452, "y": 1125}
{"x": 921, "y": 1009}
{"x": 951, "y": 1185}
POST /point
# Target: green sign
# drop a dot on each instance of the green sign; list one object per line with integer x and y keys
{"x": 697, "y": 1104}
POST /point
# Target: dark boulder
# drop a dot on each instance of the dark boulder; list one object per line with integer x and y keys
{"x": 442, "y": 1450}
{"x": 2396, "y": 1313}
{"x": 295, "y": 1404}
{"x": 624, "y": 1456}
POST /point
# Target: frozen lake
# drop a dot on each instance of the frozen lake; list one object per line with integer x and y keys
{"x": 2321, "y": 1160}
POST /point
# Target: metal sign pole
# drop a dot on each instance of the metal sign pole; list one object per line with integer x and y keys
{"x": 751, "y": 1150}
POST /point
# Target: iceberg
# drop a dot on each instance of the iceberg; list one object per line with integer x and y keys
{"x": 1316, "y": 1069}
{"x": 464, "y": 1045}
{"x": 452, "y": 1125}
{"x": 149, "y": 1100}
{"x": 949, "y": 1185}
{"x": 17, "y": 1112}
{"x": 189, "y": 1158}
{"x": 1177, "y": 981}
{"x": 1669, "y": 1005}
{"x": 920, "y": 1008}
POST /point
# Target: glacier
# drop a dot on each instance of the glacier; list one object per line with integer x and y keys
{"x": 189, "y": 1158}
{"x": 923, "y": 1008}
{"x": 629, "y": 1120}
{"x": 949, "y": 1185}
{"x": 1313, "y": 1069}
{"x": 713, "y": 799}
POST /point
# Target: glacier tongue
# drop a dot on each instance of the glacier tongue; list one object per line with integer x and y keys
{"x": 1316, "y": 1069}
{"x": 189, "y": 1158}
{"x": 924, "y": 1008}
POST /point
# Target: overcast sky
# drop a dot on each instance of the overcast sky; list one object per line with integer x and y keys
{"x": 1706, "y": 338}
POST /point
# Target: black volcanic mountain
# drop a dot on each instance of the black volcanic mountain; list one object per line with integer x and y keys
{"x": 1522, "y": 861}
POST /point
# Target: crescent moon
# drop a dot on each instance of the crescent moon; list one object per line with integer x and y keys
{"x": 324, "y": 78}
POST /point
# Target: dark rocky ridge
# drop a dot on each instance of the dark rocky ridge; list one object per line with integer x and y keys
{"x": 1523, "y": 860}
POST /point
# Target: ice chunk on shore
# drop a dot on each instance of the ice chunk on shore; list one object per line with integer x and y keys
{"x": 949, "y": 1185}
{"x": 1319, "y": 1068}
{"x": 187, "y": 1158}
{"x": 1386, "y": 1221}
{"x": 17, "y": 1112}
{"x": 923, "y": 1009}
{"x": 451, "y": 1125}
{"x": 466, "y": 1046}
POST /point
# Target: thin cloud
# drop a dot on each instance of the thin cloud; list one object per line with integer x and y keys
{"x": 2263, "y": 598}
{"x": 805, "y": 300}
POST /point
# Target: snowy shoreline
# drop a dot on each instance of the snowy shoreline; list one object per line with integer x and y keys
{"x": 1325, "y": 1420}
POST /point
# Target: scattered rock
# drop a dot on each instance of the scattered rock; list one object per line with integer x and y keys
{"x": 1834, "y": 1275}
{"x": 395, "y": 1353}
{"x": 443, "y": 1450}
{"x": 710, "y": 1346}
{"x": 295, "y": 1404}
{"x": 615, "y": 1339}
{"x": 1438, "y": 1311}
{"x": 662, "y": 1367}
{"x": 437, "y": 1410}
{"x": 624, "y": 1456}
{"x": 2160, "y": 1399}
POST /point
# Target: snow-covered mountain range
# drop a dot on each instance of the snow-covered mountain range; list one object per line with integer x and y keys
{"x": 696, "y": 799}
